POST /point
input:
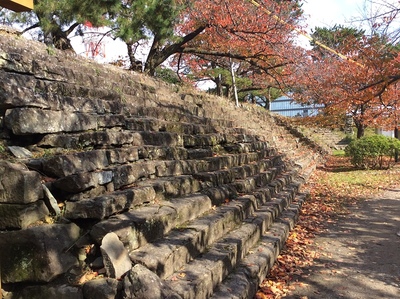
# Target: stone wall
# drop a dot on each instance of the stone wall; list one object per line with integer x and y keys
{"x": 97, "y": 162}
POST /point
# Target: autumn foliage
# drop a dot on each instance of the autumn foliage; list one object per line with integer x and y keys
{"x": 364, "y": 85}
{"x": 259, "y": 41}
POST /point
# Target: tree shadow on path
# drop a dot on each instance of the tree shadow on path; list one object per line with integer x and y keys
{"x": 359, "y": 254}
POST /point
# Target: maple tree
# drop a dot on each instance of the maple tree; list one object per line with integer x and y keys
{"x": 363, "y": 85}
{"x": 258, "y": 44}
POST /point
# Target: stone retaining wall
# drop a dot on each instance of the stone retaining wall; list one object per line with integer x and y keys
{"x": 97, "y": 162}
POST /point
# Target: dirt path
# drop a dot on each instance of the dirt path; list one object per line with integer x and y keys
{"x": 359, "y": 255}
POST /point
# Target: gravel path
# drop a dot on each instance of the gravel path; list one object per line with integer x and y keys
{"x": 359, "y": 255}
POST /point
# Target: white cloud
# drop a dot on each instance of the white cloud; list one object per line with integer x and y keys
{"x": 330, "y": 12}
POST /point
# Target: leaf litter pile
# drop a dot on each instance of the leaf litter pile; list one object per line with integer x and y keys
{"x": 333, "y": 189}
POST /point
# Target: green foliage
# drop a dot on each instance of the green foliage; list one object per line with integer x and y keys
{"x": 334, "y": 37}
{"x": 53, "y": 20}
{"x": 167, "y": 75}
{"x": 373, "y": 152}
{"x": 142, "y": 19}
{"x": 339, "y": 153}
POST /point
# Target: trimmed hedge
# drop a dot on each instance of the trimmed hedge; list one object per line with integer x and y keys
{"x": 373, "y": 152}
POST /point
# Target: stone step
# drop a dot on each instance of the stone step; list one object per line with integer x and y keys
{"x": 189, "y": 114}
{"x": 137, "y": 227}
{"x": 106, "y": 206}
{"x": 168, "y": 183}
{"x": 179, "y": 114}
{"x": 182, "y": 245}
{"x": 123, "y": 138}
{"x": 154, "y": 124}
{"x": 243, "y": 282}
{"x": 199, "y": 278}
{"x": 66, "y": 164}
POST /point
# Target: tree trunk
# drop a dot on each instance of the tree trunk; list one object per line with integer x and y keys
{"x": 135, "y": 65}
{"x": 219, "y": 88}
{"x": 158, "y": 54}
{"x": 360, "y": 130}
{"x": 359, "y": 123}
{"x": 396, "y": 153}
{"x": 235, "y": 94}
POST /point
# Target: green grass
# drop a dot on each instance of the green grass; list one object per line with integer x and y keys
{"x": 338, "y": 153}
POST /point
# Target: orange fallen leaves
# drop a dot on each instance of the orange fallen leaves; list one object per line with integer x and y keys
{"x": 330, "y": 195}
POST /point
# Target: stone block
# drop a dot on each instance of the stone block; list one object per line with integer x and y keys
{"x": 106, "y": 205}
{"x": 102, "y": 288}
{"x": 14, "y": 94}
{"x": 62, "y": 291}
{"x": 162, "y": 138}
{"x": 110, "y": 138}
{"x": 37, "y": 254}
{"x": 115, "y": 256}
{"x": 130, "y": 173}
{"x": 18, "y": 185}
{"x": 79, "y": 182}
{"x": 61, "y": 166}
{"x": 76, "y": 182}
{"x": 23, "y": 121}
{"x": 122, "y": 155}
{"x": 145, "y": 224}
{"x": 141, "y": 283}
{"x": 110, "y": 121}
{"x": 20, "y": 216}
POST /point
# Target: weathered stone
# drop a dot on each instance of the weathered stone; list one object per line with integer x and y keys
{"x": 145, "y": 224}
{"x": 161, "y": 138}
{"x": 37, "y": 254}
{"x": 203, "y": 140}
{"x": 175, "y": 186}
{"x": 18, "y": 184}
{"x": 17, "y": 216}
{"x": 136, "y": 228}
{"x": 61, "y": 140}
{"x": 20, "y": 152}
{"x": 104, "y": 177}
{"x": 115, "y": 138}
{"x": 110, "y": 121}
{"x": 90, "y": 193}
{"x": 142, "y": 124}
{"x": 130, "y": 173}
{"x": 200, "y": 153}
{"x": 61, "y": 166}
{"x": 18, "y": 92}
{"x": 63, "y": 291}
{"x": 89, "y": 139}
{"x": 50, "y": 201}
{"x": 162, "y": 153}
{"x": 176, "y": 167}
{"x": 141, "y": 283}
{"x": 122, "y": 155}
{"x": 24, "y": 121}
{"x": 76, "y": 182}
{"x": 115, "y": 256}
{"x": 104, "y": 206}
{"x": 102, "y": 288}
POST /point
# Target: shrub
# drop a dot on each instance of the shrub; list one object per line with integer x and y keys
{"x": 376, "y": 151}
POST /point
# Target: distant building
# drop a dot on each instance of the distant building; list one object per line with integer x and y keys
{"x": 385, "y": 132}
{"x": 288, "y": 107}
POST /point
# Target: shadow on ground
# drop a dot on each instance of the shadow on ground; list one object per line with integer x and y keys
{"x": 360, "y": 254}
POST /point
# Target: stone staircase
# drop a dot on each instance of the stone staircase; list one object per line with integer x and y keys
{"x": 201, "y": 194}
